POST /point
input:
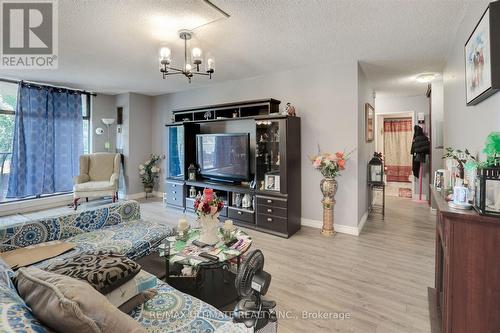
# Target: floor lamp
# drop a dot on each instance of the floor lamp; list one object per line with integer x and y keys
{"x": 108, "y": 122}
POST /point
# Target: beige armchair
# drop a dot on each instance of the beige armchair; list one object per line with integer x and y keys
{"x": 99, "y": 174}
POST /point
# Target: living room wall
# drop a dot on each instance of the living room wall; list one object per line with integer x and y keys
{"x": 136, "y": 138}
{"x": 466, "y": 127}
{"x": 326, "y": 101}
{"x": 365, "y": 149}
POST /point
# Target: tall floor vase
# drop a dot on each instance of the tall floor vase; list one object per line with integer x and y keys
{"x": 329, "y": 189}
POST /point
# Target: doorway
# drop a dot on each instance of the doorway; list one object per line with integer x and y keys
{"x": 394, "y": 138}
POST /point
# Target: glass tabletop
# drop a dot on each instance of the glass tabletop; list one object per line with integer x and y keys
{"x": 186, "y": 253}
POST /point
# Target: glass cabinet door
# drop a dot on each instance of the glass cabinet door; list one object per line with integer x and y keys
{"x": 175, "y": 150}
{"x": 269, "y": 134}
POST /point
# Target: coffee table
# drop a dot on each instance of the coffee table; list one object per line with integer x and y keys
{"x": 186, "y": 253}
{"x": 209, "y": 280}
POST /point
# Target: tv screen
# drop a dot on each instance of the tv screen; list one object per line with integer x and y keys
{"x": 223, "y": 156}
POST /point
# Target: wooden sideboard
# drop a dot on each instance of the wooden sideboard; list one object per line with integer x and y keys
{"x": 467, "y": 284}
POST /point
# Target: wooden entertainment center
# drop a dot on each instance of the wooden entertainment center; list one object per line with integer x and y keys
{"x": 274, "y": 153}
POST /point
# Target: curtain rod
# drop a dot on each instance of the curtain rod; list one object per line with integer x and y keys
{"x": 85, "y": 92}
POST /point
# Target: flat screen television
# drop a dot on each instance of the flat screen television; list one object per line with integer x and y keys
{"x": 224, "y": 157}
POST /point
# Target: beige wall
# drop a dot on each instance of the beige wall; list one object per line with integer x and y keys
{"x": 103, "y": 106}
{"x": 365, "y": 149}
{"x": 466, "y": 127}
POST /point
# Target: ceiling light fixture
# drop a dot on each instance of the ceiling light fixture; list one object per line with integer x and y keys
{"x": 166, "y": 67}
{"x": 426, "y": 77}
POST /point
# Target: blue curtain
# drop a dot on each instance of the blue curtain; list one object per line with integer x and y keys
{"x": 47, "y": 141}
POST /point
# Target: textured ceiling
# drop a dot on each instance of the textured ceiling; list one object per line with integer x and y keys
{"x": 111, "y": 46}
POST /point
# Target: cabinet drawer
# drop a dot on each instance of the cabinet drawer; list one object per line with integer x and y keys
{"x": 174, "y": 188}
{"x": 278, "y": 224}
{"x": 272, "y": 211}
{"x": 272, "y": 202}
{"x": 175, "y": 194}
{"x": 223, "y": 213}
{"x": 242, "y": 215}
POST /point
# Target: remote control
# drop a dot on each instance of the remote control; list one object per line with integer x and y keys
{"x": 199, "y": 244}
{"x": 209, "y": 256}
{"x": 231, "y": 242}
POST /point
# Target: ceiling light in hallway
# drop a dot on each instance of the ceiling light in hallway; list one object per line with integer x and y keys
{"x": 426, "y": 77}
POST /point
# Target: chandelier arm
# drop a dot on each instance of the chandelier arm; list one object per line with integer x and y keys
{"x": 173, "y": 73}
{"x": 175, "y": 69}
{"x": 201, "y": 73}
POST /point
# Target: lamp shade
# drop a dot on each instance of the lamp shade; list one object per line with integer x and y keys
{"x": 108, "y": 121}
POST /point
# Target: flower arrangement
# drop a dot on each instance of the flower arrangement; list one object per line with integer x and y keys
{"x": 149, "y": 171}
{"x": 463, "y": 159}
{"x": 208, "y": 204}
{"x": 330, "y": 165}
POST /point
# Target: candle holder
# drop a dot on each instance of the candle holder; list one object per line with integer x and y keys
{"x": 183, "y": 234}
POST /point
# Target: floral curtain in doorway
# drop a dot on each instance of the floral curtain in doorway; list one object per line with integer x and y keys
{"x": 47, "y": 141}
{"x": 397, "y": 146}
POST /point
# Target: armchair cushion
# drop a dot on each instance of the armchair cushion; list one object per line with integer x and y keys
{"x": 95, "y": 186}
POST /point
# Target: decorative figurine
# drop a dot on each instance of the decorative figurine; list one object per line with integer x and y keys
{"x": 262, "y": 185}
{"x": 246, "y": 202}
{"x": 207, "y": 115}
{"x": 235, "y": 114}
{"x": 192, "y": 172}
{"x": 237, "y": 200}
{"x": 289, "y": 110}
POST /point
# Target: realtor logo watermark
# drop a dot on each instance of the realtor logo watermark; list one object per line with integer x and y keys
{"x": 29, "y": 34}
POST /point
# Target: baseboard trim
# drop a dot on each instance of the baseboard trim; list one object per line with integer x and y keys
{"x": 361, "y": 223}
{"x": 140, "y": 195}
{"x": 344, "y": 229}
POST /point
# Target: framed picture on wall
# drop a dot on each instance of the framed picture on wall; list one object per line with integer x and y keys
{"x": 369, "y": 122}
{"x": 482, "y": 57}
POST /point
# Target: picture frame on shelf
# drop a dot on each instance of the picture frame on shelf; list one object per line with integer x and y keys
{"x": 369, "y": 122}
{"x": 482, "y": 57}
{"x": 272, "y": 182}
{"x": 439, "y": 179}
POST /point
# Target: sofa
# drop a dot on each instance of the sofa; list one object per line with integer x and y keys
{"x": 117, "y": 227}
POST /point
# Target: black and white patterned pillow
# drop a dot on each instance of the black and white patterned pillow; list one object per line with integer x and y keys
{"x": 103, "y": 270}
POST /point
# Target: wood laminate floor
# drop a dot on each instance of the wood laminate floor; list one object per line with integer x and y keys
{"x": 379, "y": 279}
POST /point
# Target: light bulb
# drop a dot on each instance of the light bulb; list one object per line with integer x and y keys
{"x": 210, "y": 64}
{"x": 165, "y": 52}
{"x": 188, "y": 67}
{"x": 196, "y": 52}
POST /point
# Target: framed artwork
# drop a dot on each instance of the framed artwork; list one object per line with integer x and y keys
{"x": 369, "y": 122}
{"x": 272, "y": 182}
{"x": 482, "y": 57}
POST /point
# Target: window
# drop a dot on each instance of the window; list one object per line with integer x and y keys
{"x": 8, "y": 102}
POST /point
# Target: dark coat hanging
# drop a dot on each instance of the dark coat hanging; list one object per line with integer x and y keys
{"x": 420, "y": 148}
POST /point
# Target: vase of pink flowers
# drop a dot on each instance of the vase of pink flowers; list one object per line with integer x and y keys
{"x": 330, "y": 165}
{"x": 208, "y": 207}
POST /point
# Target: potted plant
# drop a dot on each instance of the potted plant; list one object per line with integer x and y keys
{"x": 461, "y": 157}
{"x": 149, "y": 172}
{"x": 330, "y": 165}
{"x": 208, "y": 207}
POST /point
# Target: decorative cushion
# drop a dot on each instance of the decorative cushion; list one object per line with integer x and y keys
{"x": 94, "y": 186}
{"x": 141, "y": 282}
{"x": 70, "y": 305}
{"x": 138, "y": 299}
{"x": 15, "y": 316}
{"x": 103, "y": 270}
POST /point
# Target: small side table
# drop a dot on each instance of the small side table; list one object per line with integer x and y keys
{"x": 377, "y": 187}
